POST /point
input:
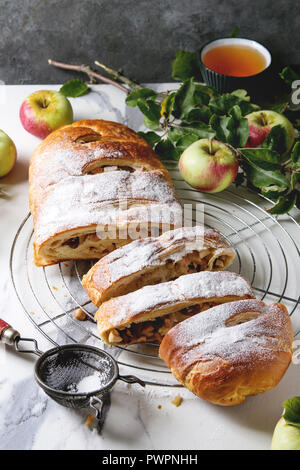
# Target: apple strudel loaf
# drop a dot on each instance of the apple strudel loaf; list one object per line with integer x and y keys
{"x": 151, "y": 260}
{"x": 147, "y": 314}
{"x": 95, "y": 186}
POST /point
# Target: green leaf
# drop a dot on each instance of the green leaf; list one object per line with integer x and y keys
{"x": 273, "y": 192}
{"x": 185, "y": 99}
{"x": 224, "y": 103}
{"x": 150, "y": 137}
{"x": 143, "y": 94}
{"x": 166, "y": 150}
{"x": 295, "y": 155}
{"x": 295, "y": 180}
{"x": 260, "y": 154}
{"x": 185, "y": 141}
{"x": 242, "y": 94}
{"x": 291, "y": 412}
{"x": 208, "y": 90}
{"x": 167, "y": 105}
{"x": 219, "y": 125}
{"x": 235, "y": 32}
{"x": 186, "y": 65}
{"x": 288, "y": 75}
{"x": 203, "y": 93}
{"x": 276, "y": 139}
{"x": 74, "y": 88}
{"x": 151, "y": 113}
{"x": 202, "y": 113}
{"x": 240, "y": 128}
{"x": 263, "y": 174}
{"x": 284, "y": 205}
{"x": 233, "y": 129}
{"x": 200, "y": 129}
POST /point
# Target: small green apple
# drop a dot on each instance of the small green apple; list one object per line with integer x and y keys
{"x": 209, "y": 165}
{"x": 286, "y": 436}
{"x": 45, "y": 111}
{"x": 8, "y": 154}
{"x": 261, "y": 123}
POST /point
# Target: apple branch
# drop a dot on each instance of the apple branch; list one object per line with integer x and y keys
{"x": 91, "y": 74}
{"x": 116, "y": 75}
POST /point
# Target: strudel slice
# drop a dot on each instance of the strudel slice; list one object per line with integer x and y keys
{"x": 152, "y": 260}
{"x": 147, "y": 314}
{"x": 231, "y": 351}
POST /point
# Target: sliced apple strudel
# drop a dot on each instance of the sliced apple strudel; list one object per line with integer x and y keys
{"x": 152, "y": 260}
{"x": 230, "y": 351}
{"x": 95, "y": 186}
{"x": 147, "y": 314}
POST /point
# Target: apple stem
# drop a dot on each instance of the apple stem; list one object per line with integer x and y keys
{"x": 210, "y": 146}
{"x": 264, "y": 119}
{"x": 91, "y": 74}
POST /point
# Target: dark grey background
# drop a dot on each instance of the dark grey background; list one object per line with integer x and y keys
{"x": 139, "y": 36}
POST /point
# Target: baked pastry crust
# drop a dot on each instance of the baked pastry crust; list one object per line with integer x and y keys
{"x": 78, "y": 177}
{"x": 152, "y": 260}
{"x": 148, "y": 313}
{"x": 230, "y": 351}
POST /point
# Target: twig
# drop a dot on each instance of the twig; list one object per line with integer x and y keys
{"x": 92, "y": 75}
{"x": 118, "y": 76}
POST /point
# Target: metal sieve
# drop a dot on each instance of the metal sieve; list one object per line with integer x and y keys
{"x": 74, "y": 375}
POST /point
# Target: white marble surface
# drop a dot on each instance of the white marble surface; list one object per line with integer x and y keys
{"x": 29, "y": 420}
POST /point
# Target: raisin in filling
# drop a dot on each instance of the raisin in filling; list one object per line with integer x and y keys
{"x": 72, "y": 242}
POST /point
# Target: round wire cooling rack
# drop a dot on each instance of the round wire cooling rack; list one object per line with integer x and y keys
{"x": 266, "y": 253}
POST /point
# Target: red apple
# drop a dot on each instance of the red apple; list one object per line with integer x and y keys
{"x": 209, "y": 165}
{"x": 45, "y": 111}
{"x": 8, "y": 154}
{"x": 260, "y": 124}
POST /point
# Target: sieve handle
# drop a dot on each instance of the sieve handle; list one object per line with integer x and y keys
{"x": 132, "y": 379}
{"x": 8, "y": 334}
{"x": 12, "y": 337}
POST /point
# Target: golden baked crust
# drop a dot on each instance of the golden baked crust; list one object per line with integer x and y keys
{"x": 152, "y": 260}
{"x": 78, "y": 177}
{"x": 230, "y": 351}
{"x": 148, "y": 313}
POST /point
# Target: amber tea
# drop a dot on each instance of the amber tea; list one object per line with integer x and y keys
{"x": 235, "y": 60}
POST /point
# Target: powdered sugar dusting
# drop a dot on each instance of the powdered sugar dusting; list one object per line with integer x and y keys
{"x": 202, "y": 285}
{"x": 150, "y": 252}
{"x": 64, "y": 196}
{"x": 94, "y": 199}
{"x": 210, "y": 334}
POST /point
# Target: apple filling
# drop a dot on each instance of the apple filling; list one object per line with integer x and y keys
{"x": 85, "y": 246}
{"x": 171, "y": 268}
{"x": 106, "y": 168}
{"x": 153, "y": 331}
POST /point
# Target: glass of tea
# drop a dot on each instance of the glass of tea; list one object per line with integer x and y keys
{"x": 231, "y": 63}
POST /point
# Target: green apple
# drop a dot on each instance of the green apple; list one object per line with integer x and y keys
{"x": 209, "y": 165}
{"x": 261, "y": 123}
{"x": 45, "y": 111}
{"x": 286, "y": 436}
{"x": 8, "y": 154}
